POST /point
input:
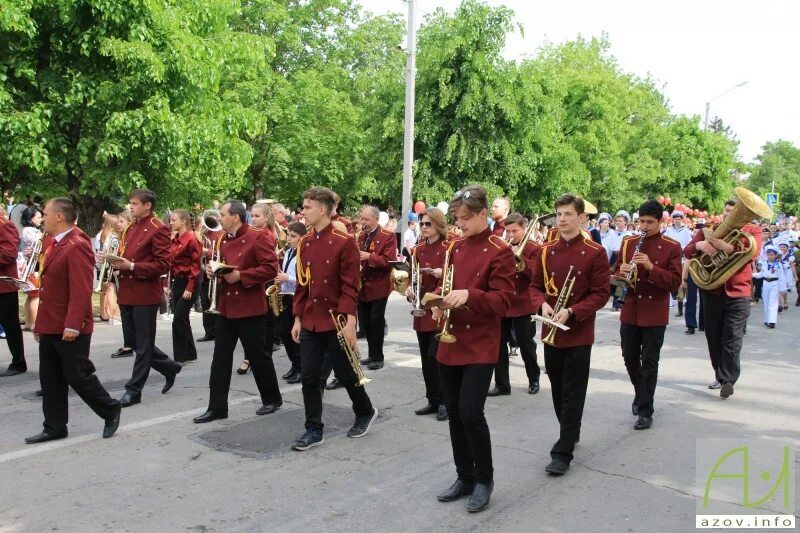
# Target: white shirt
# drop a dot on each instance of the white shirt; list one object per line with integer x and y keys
{"x": 682, "y": 235}
{"x": 410, "y": 239}
{"x": 610, "y": 241}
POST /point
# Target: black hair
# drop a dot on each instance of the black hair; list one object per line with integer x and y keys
{"x": 237, "y": 207}
{"x": 27, "y": 216}
{"x": 651, "y": 208}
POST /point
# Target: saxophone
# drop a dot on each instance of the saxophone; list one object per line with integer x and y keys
{"x": 275, "y": 298}
{"x": 339, "y": 321}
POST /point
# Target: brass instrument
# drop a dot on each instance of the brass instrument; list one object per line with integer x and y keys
{"x": 210, "y": 222}
{"x": 447, "y": 286}
{"x": 275, "y": 298}
{"x": 710, "y": 272}
{"x": 533, "y": 225}
{"x": 30, "y": 264}
{"x": 400, "y": 281}
{"x": 340, "y": 321}
{"x": 561, "y": 303}
{"x": 625, "y": 282}
{"x": 105, "y": 270}
{"x": 416, "y": 286}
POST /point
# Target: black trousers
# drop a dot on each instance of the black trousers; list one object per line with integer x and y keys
{"x": 252, "y": 331}
{"x": 758, "y": 285}
{"x": 524, "y": 331}
{"x": 209, "y": 319}
{"x": 371, "y": 317}
{"x": 428, "y": 346}
{"x": 9, "y": 319}
{"x": 283, "y": 328}
{"x": 141, "y": 319}
{"x": 641, "y": 350}
{"x": 725, "y": 321}
{"x": 183, "y": 348}
{"x": 313, "y": 348}
{"x": 67, "y": 364}
{"x": 692, "y": 317}
{"x": 568, "y": 371}
{"x": 464, "y": 390}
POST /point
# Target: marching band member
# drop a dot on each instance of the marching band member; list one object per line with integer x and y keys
{"x": 377, "y": 246}
{"x": 145, "y": 257}
{"x": 242, "y": 307}
{"x": 771, "y": 271}
{"x": 9, "y": 296}
{"x": 501, "y": 207}
{"x": 288, "y": 280}
{"x": 645, "y": 312}
{"x": 327, "y": 281}
{"x": 518, "y": 316}
{"x": 207, "y": 239}
{"x": 429, "y": 255}
{"x": 64, "y": 327}
{"x": 567, "y": 360}
{"x": 185, "y": 251}
{"x": 481, "y": 290}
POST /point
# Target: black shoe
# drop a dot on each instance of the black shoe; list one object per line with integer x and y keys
{"x": 129, "y": 399}
{"x": 771, "y": 325}
{"x": 679, "y": 314}
{"x": 44, "y": 437}
{"x": 375, "y": 365}
{"x": 557, "y": 467}
{"x": 479, "y": 500}
{"x": 297, "y": 377}
{"x": 269, "y": 408}
{"x": 122, "y": 352}
{"x": 427, "y": 410}
{"x": 288, "y": 374}
{"x": 441, "y": 413}
{"x": 209, "y": 416}
{"x": 635, "y": 409}
{"x": 362, "y": 425}
{"x": 456, "y": 491}
{"x": 533, "y": 388}
{"x": 716, "y": 385}
{"x": 111, "y": 425}
{"x": 689, "y": 331}
{"x": 361, "y": 335}
{"x": 11, "y": 372}
{"x": 38, "y": 393}
{"x": 171, "y": 380}
{"x": 497, "y": 391}
{"x": 365, "y": 361}
{"x": 243, "y": 368}
{"x": 726, "y": 390}
{"x": 309, "y": 439}
{"x": 334, "y": 384}
{"x": 205, "y": 338}
{"x": 644, "y": 422}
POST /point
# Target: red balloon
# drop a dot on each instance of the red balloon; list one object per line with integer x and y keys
{"x": 660, "y": 199}
{"x": 665, "y": 216}
{"x": 419, "y": 207}
{"x": 696, "y": 212}
{"x": 668, "y": 200}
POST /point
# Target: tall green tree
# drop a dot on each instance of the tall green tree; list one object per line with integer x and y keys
{"x": 778, "y": 165}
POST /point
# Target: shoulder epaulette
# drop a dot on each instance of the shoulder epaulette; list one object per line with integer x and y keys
{"x": 156, "y": 222}
{"x": 670, "y": 240}
{"x": 386, "y": 232}
{"x": 498, "y": 242}
{"x": 253, "y": 228}
{"x": 589, "y": 242}
{"x": 341, "y": 234}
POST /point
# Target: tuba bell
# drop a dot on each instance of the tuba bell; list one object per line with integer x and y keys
{"x": 210, "y": 220}
{"x": 710, "y": 272}
{"x": 400, "y": 281}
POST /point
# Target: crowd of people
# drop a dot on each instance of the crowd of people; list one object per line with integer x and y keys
{"x": 480, "y": 277}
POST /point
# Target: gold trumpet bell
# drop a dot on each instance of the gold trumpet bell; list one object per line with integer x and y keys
{"x": 447, "y": 338}
{"x": 400, "y": 281}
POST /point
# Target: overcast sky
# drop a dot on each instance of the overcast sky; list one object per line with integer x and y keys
{"x": 694, "y": 49}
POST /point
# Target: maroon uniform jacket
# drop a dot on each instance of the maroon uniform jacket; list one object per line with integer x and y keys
{"x": 739, "y": 285}
{"x": 484, "y": 265}
{"x": 66, "y": 286}
{"x": 647, "y": 303}
{"x": 499, "y": 228}
{"x": 252, "y": 252}
{"x": 185, "y": 252}
{"x": 375, "y": 271}
{"x": 589, "y": 293}
{"x": 9, "y": 243}
{"x": 522, "y": 300}
{"x": 145, "y": 243}
{"x": 345, "y": 221}
{"x": 327, "y": 278}
{"x": 429, "y": 256}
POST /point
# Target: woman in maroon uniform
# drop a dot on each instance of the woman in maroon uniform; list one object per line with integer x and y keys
{"x": 185, "y": 251}
{"x": 482, "y": 287}
{"x": 429, "y": 255}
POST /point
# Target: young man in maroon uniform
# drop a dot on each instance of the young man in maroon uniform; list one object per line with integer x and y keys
{"x": 327, "y": 281}
{"x": 64, "y": 326}
{"x": 727, "y": 308}
{"x": 645, "y": 311}
{"x": 242, "y": 307}
{"x": 144, "y": 249}
{"x": 377, "y": 247}
{"x": 519, "y": 314}
{"x": 567, "y": 358}
{"x": 9, "y": 297}
{"x": 185, "y": 252}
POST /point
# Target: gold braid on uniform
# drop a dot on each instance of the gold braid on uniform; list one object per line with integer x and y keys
{"x": 549, "y": 283}
{"x": 303, "y": 274}
{"x": 123, "y": 241}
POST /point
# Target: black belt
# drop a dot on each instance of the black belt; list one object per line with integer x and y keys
{"x": 770, "y": 279}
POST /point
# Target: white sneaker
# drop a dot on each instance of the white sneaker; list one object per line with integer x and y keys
{"x": 165, "y": 317}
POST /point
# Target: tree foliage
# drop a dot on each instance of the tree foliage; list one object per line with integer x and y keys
{"x": 778, "y": 165}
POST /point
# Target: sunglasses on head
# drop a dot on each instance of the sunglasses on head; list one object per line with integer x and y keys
{"x": 426, "y": 224}
{"x": 459, "y": 194}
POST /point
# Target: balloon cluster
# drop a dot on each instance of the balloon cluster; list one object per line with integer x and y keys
{"x": 686, "y": 210}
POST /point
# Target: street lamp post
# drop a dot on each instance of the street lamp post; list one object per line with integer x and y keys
{"x": 408, "y": 140}
{"x": 708, "y": 104}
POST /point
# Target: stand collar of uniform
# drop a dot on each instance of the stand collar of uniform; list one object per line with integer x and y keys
{"x": 183, "y": 239}
{"x": 143, "y": 219}
{"x": 577, "y": 238}
{"x": 327, "y": 229}
{"x": 482, "y": 235}
{"x": 244, "y": 228}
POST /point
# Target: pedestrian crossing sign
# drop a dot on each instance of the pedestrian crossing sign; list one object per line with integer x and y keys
{"x": 772, "y": 199}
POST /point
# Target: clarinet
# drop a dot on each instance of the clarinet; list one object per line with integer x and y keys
{"x": 633, "y": 275}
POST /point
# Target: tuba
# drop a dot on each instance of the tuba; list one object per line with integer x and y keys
{"x": 339, "y": 321}
{"x": 710, "y": 272}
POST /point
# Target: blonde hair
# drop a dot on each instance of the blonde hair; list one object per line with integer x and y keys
{"x": 266, "y": 210}
{"x": 439, "y": 223}
{"x": 109, "y": 226}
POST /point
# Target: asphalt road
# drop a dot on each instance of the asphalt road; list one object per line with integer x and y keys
{"x": 161, "y": 472}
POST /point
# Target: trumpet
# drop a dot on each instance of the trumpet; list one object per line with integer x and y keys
{"x": 216, "y": 258}
{"x": 340, "y": 321}
{"x": 105, "y": 270}
{"x": 561, "y": 303}
{"x": 416, "y": 286}
{"x": 447, "y": 286}
{"x": 533, "y": 225}
{"x": 624, "y": 282}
